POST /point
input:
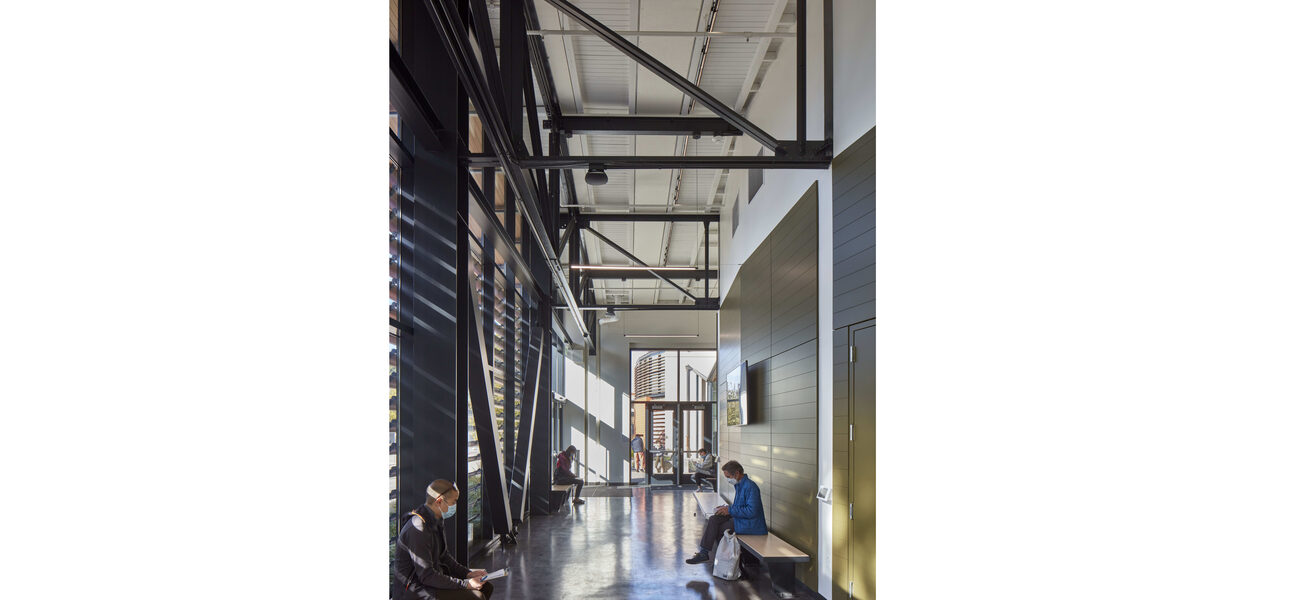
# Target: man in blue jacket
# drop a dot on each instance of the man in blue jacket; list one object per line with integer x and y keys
{"x": 744, "y": 515}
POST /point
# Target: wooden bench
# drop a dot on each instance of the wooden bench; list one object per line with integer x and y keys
{"x": 777, "y": 554}
{"x": 560, "y": 494}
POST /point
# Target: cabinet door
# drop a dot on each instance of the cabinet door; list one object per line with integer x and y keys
{"x": 862, "y": 461}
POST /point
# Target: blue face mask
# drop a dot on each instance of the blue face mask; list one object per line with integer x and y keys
{"x": 451, "y": 512}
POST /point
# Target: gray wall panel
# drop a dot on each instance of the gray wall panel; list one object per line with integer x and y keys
{"x": 853, "y": 177}
{"x": 770, "y": 320}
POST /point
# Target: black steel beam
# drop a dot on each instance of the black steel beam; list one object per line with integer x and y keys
{"x": 568, "y": 232}
{"x": 801, "y": 74}
{"x": 541, "y": 461}
{"x": 537, "y": 54}
{"x": 638, "y": 261}
{"x": 696, "y": 274}
{"x": 449, "y": 21}
{"x": 657, "y": 162}
{"x": 490, "y": 188}
{"x": 546, "y": 84}
{"x": 535, "y": 133}
{"x": 575, "y": 258}
{"x": 642, "y": 125}
{"x": 512, "y": 325}
{"x": 481, "y": 25}
{"x": 707, "y": 227}
{"x": 587, "y": 218}
{"x": 553, "y": 179}
{"x": 644, "y": 59}
{"x": 408, "y": 99}
{"x": 521, "y": 474}
{"x": 492, "y": 228}
{"x": 479, "y": 377}
{"x": 828, "y": 72}
{"x": 514, "y": 65}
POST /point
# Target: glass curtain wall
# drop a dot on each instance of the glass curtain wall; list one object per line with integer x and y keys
{"x": 670, "y": 396}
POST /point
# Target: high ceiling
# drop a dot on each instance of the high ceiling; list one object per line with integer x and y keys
{"x": 593, "y": 78}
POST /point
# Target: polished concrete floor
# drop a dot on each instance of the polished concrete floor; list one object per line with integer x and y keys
{"x": 616, "y": 548}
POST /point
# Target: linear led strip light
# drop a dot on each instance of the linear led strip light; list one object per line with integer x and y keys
{"x": 628, "y": 268}
{"x": 661, "y": 335}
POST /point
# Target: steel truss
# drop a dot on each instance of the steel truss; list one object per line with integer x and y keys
{"x": 503, "y": 88}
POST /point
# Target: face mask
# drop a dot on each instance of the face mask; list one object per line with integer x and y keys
{"x": 732, "y": 481}
{"x": 451, "y": 512}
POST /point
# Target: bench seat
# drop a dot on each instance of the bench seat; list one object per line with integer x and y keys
{"x": 560, "y": 496}
{"x": 706, "y": 502}
{"x": 770, "y": 548}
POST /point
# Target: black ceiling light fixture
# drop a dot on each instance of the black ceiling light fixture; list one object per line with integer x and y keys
{"x": 596, "y": 176}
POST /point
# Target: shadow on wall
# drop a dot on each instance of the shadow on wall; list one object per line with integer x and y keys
{"x": 606, "y": 438}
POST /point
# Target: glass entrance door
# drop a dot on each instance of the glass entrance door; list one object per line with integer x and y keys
{"x": 697, "y": 434}
{"x": 671, "y": 413}
{"x": 664, "y": 444}
{"x": 677, "y": 432}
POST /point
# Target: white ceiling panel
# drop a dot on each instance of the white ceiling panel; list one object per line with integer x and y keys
{"x": 591, "y": 77}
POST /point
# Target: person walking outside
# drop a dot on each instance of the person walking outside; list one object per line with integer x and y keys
{"x": 638, "y": 453}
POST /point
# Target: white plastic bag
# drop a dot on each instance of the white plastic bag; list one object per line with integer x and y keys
{"x": 726, "y": 559}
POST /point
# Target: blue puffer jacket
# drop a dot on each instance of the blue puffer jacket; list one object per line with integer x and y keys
{"x": 747, "y": 509}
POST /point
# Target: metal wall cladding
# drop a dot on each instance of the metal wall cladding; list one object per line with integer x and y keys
{"x": 770, "y": 320}
{"x": 853, "y": 176}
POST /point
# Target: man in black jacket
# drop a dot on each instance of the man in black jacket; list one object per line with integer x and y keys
{"x": 424, "y": 566}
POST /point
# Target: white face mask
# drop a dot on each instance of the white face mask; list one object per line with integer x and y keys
{"x": 732, "y": 481}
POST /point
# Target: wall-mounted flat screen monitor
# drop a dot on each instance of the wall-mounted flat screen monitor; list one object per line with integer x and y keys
{"x": 736, "y": 395}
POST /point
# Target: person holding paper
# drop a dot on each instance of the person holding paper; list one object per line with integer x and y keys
{"x": 424, "y": 566}
{"x": 744, "y": 515}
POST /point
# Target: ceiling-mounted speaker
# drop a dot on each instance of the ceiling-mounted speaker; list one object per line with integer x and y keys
{"x": 596, "y": 176}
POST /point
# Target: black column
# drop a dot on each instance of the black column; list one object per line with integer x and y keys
{"x": 428, "y": 415}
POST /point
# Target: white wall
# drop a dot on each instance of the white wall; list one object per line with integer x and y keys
{"x": 603, "y": 388}
{"x": 773, "y": 109}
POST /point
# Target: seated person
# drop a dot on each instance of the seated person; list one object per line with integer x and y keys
{"x": 564, "y": 473}
{"x": 705, "y": 468}
{"x": 744, "y": 515}
{"x": 424, "y": 566}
